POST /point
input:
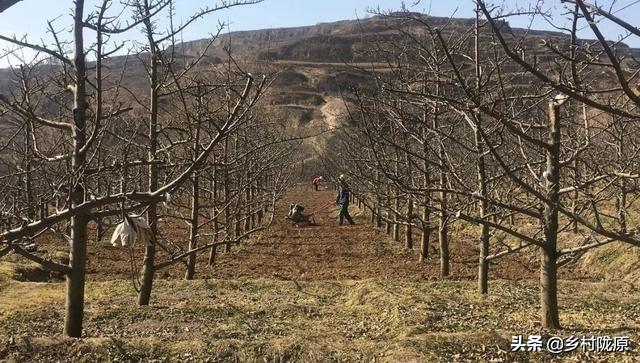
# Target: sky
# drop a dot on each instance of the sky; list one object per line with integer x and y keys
{"x": 29, "y": 17}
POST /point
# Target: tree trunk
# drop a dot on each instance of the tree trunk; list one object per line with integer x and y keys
{"x": 78, "y": 251}
{"x": 193, "y": 231}
{"x": 408, "y": 238}
{"x": 247, "y": 203}
{"x": 549, "y": 289}
{"x": 195, "y": 202}
{"x": 215, "y": 227}
{"x": 576, "y": 194}
{"x": 388, "y": 223}
{"x": 148, "y": 269}
{"x": 548, "y": 256}
{"x": 426, "y": 212}
{"x": 396, "y": 219}
{"x": 254, "y": 204}
{"x": 621, "y": 202}
{"x": 99, "y": 229}
{"x": 426, "y": 232}
{"x": 483, "y": 263}
{"x": 76, "y": 279}
{"x": 396, "y": 216}
{"x": 227, "y": 212}
{"x": 372, "y": 220}
{"x": 28, "y": 180}
{"x": 376, "y": 208}
{"x": 443, "y": 237}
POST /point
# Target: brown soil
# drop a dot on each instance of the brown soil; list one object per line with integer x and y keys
{"x": 325, "y": 251}
{"x": 328, "y": 251}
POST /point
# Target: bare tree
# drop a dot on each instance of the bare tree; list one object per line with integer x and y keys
{"x": 81, "y": 136}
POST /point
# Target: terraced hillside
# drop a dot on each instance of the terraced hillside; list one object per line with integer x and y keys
{"x": 313, "y": 64}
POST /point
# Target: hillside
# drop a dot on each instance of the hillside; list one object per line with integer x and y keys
{"x": 313, "y": 64}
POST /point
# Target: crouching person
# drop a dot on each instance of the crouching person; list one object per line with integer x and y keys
{"x": 297, "y": 216}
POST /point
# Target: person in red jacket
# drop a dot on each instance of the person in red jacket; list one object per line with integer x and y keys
{"x": 316, "y": 182}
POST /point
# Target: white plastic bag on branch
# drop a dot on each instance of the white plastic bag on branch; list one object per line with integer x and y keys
{"x": 131, "y": 230}
{"x": 167, "y": 200}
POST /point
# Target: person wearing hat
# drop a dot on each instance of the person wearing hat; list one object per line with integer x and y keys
{"x": 316, "y": 182}
{"x": 343, "y": 200}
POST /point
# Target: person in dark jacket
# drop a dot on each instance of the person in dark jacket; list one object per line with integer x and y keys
{"x": 343, "y": 200}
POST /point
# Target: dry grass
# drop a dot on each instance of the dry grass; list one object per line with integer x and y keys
{"x": 317, "y": 308}
{"x": 263, "y": 320}
{"x": 6, "y": 271}
{"x": 24, "y": 295}
{"x": 617, "y": 261}
{"x": 27, "y": 295}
